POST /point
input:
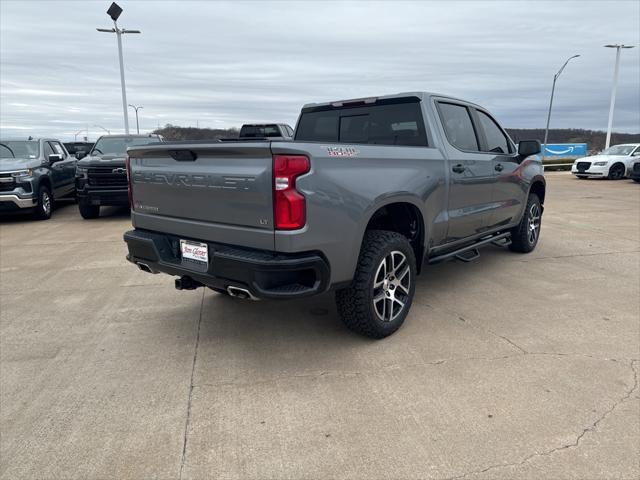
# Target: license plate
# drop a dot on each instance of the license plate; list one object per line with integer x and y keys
{"x": 194, "y": 251}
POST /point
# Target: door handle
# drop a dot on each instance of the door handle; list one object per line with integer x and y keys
{"x": 459, "y": 168}
{"x": 499, "y": 167}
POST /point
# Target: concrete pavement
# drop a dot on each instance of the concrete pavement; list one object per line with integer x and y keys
{"x": 514, "y": 366}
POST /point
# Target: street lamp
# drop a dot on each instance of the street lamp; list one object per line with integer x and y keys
{"x": 100, "y": 126}
{"x": 114, "y": 12}
{"x": 136, "y": 109}
{"x": 553, "y": 88}
{"x": 75, "y": 135}
{"x": 613, "y": 89}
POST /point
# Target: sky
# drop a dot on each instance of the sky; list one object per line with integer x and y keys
{"x": 216, "y": 64}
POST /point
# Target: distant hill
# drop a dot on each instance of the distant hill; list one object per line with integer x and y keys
{"x": 593, "y": 138}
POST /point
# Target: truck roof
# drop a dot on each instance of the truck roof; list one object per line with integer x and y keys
{"x": 371, "y": 100}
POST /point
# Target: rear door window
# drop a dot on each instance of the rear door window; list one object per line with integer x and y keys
{"x": 458, "y": 126}
{"x": 383, "y": 124}
{"x": 497, "y": 141}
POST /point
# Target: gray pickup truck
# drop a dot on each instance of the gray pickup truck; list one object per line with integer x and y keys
{"x": 33, "y": 174}
{"x": 367, "y": 192}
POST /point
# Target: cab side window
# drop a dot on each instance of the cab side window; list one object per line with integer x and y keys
{"x": 48, "y": 150}
{"x": 458, "y": 126}
{"x": 497, "y": 142}
{"x": 58, "y": 148}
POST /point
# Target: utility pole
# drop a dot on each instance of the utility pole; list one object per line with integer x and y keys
{"x": 618, "y": 47}
{"x": 114, "y": 12}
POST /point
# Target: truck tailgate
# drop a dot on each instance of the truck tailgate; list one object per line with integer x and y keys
{"x": 217, "y": 192}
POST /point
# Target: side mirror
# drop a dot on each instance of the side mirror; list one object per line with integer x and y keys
{"x": 55, "y": 157}
{"x": 529, "y": 147}
{"x": 81, "y": 155}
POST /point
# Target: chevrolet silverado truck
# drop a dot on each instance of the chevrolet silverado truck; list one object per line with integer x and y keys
{"x": 101, "y": 177}
{"x": 33, "y": 174}
{"x": 368, "y": 192}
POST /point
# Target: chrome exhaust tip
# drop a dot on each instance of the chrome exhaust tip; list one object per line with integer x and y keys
{"x": 238, "y": 292}
{"x": 144, "y": 267}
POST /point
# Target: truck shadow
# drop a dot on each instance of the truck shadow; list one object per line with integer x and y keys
{"x": 314, "y": 322}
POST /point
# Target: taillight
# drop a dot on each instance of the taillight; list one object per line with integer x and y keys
{"x": 289, "y": 209}
{"x": 128, "y": 165}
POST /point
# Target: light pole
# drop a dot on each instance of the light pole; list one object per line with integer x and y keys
{"x": 114, "y": 12}
{"x": 553, "y": 89}
{"x": 613, "y": 89}
{"x": 100, "y": 126}
{"x": 75, "y": 135}
{"x": 136, "y": 109}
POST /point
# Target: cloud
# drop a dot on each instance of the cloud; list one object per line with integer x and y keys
{"x": 223, "y": 64}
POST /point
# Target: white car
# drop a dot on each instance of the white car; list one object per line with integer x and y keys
{"x": 613, "y": 163}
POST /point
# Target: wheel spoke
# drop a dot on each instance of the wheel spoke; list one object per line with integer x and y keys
{"x": 403, "y": 274}
{"x": 397, "y": 267}
{"x": 377, "y": 298}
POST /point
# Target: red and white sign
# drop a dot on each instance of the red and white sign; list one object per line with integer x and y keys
{"x": 194, "y": 251}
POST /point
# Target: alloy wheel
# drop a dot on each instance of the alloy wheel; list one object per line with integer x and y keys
{"x": 391, "y": 286}
{"x": 46, "y": 202}
{"x": 534, "y": 223}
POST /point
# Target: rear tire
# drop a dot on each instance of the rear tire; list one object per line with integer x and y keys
{"x": 617, "y": 171}
{"x": 525, "y": 236}
{"x": 637, "y": 180}
{"x": 88, "y": 211}
{"x": 379, "y": 298}
{"x": 45, "y": 203}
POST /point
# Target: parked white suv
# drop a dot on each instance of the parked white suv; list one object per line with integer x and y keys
{"x": 613, "y": 163}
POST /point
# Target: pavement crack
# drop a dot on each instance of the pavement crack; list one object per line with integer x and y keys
{"x": 193, "y": 369}
{"x": 491, "y": 332}
{"x": 590, "y": 428}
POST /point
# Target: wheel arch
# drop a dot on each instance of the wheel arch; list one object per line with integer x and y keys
{"x": 401, "y": 215}
{"x": 539, "y": 187}
{"x": 46, "y": 181}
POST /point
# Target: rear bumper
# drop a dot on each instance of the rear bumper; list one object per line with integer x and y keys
{"x": 264, "y": 274}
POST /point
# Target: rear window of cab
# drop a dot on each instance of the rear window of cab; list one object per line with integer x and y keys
{"x": 380, "y": 124}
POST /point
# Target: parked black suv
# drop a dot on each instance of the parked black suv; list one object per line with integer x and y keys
{"x": 34, "y": 173}
{"x": 101, "y": 177}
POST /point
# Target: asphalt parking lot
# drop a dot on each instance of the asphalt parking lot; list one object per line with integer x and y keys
{"x": 514, "y": 366}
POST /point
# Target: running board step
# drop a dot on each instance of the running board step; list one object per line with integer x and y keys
{"x": 470, "y": 252}
{"x": 469, "y": 255}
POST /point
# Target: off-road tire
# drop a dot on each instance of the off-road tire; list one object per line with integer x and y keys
{"x": 44, "y": 208}
{"x": 521, "y": 235}
{"x": 88, "y": 211}
{"x": 355, "y": 303}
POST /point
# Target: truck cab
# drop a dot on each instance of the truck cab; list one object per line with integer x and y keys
{"x": 266, "y": 130}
